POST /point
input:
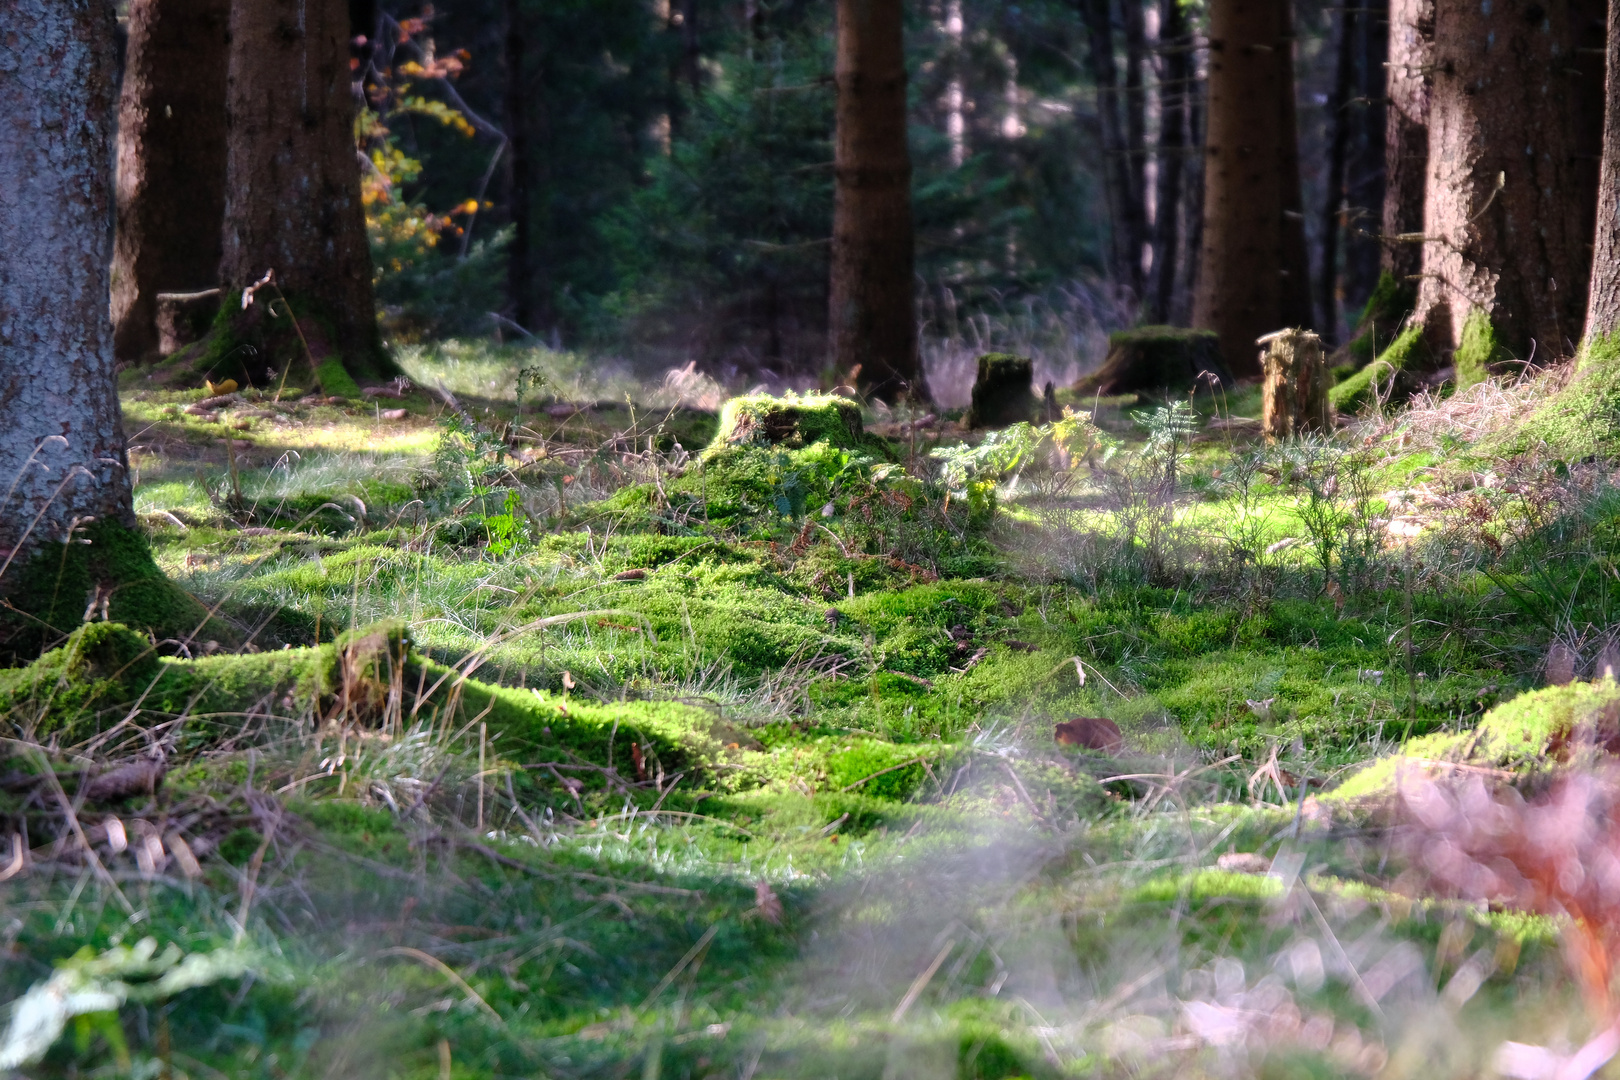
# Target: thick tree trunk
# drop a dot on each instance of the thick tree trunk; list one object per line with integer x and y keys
{"x": 1125, "y": 212}
{"x": 171, "y": 163}
{"x": 871, "y": 309}
{"x": 1175, "y": 93}
{"x": 293, "y": 176}
{"x": 519, "y": 187}
{"x": 1505, "y": 231}
{"x": 1252, "y": 276}
{"x": 1603, "y": 304}
{"x": 1406, "y": 134}
{"x": 1334, "y": 205}
{"x": 61, "y": 437}
{"x": 1364, "y": 183}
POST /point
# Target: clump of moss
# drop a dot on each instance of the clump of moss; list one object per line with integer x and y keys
{"x": 792, "y": 422}
{"x": 1406, "y": 355}
{"x": 100, "y": 665}
{"x": 1390, "y": 303}
{"x": 1479, "y": 349}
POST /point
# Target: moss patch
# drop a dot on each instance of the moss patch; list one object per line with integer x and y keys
{"x": 1479, "y": 349}
{"x": 1408, "y": 353}
{"x": 1391, "y": 301}
{"x": 792, "y": 422}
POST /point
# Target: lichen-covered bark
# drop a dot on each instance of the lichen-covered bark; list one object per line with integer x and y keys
{"x": 1512, "y": 173}
{"x": 1252, "y": 276}
{"x": 61, "y": 439}
{"x": 872, "y": 309}
{"x": 171, "y": 163}
{"x": 292, "y": 175}
{"x": 1603, "y": 304}
{"x": 1406, "y": 133}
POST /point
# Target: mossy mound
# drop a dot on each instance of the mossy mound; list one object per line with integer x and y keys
{"x": 1578, "y": 420}
{"x": 1386, "y": 309}
{"x": 1157, "y": 358}
{"x": 1527, "y": 735}
{"x": 1406, "y": 356}
{"x": 791, "y": 422}
{"x": 50, "y": 594}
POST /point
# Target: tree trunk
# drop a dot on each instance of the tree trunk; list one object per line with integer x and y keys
{"x": 1252, "y": 278}
{"x": 1125, "y": 211}
{"x": 293, "y": 182}
{"x": 1333, "y": 203}
{"x": 519, "y": 187}
{"x": 1364, "y": 182}
{"x": 871, "y": 309}
{"x": 1505, "y": 231}
{"x": 171, "y": 163}
{"x": 1603, "y": 304}
{"x": 1175, "y": 93}
{"x": 1132, "y": 21}
{"x": 1406, "y": 134}
{"x": 58, "y": 397}
{"x": 691, "y": 50}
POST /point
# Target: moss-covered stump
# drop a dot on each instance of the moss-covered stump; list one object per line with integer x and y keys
{"x": 106, "y": 573}
{"x": 790, "y": 421}
{"x": 1295, "y": 394}
{"x": 1157, "y": 358}
{"x": 1536, "y": 732}
{"x": 1406, "y": 359}
{"x": 1003, "y": 391}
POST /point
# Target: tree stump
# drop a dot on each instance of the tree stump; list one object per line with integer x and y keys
{"x": 1295, "y": 394}
{"x": 183, "y": 318}
{"x": 1157, "y": 358}
{"x": 1003, "y": 392}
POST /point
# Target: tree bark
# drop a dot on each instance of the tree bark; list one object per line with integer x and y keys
{"x": 1175, "y": 94}
{"x": 1603, "y": 303}
{"x": 1406, "y": 134}
{"x": 1505, "y": 231}
{"x": 1125, "y": 212}
{"x": 1333, "y": 207}
{"x": 171, "y": 163}
{"x": 1133, "y": 23}
{"x": 1364, "y": 183}
{"x": 58, "y": 395}
{"x": 293, "y": 175}
{"x": 872, "y": 305}
{"x": 519, "y": 187}
{"x": 1252, "y": 275}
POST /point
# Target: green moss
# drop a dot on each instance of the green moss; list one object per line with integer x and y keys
{"x": 1580, "y": 419}
{"x": 49, "y": 593}
{"x": 1407, "y": 353}
{"x": 335, "y": 380}
{"x": 1478, "y": 350}
{"x": 1390, "y": 303}
{"x": 1151, "y": 358}
{"x": 791, "y": 421}
{"x": 100, "y": 666}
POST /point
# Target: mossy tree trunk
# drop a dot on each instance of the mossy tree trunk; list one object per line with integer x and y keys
{"x": 293, "y": 185}
{"x": 61, "y": 437}
{"x": 171, "y": 163}
{"x": 1505, "y": 230}
{"x": 1253, "y": 277}
{"x": 872, "y": 307}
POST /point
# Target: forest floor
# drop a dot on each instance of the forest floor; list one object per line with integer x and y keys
{"x": 531, "y": 739}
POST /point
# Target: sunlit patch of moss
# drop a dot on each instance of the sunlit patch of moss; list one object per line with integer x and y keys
{"x": 1407, "y": 353}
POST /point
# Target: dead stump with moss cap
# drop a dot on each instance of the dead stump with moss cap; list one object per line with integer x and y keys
{"x": 1295, "y": 395}
{"x": 1152, "y": 358}
{"x": 791, "y": 421}
{"x": 1003, "y": 391}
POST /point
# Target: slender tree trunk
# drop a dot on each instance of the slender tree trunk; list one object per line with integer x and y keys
{"x": 1252, "y": 278}
{"x": 62, "y": 454}
{"x": 1364, "y": 184}
{"x": 1125, "y": 211}
{"x": 1175, "y": 94}
{"x": 1406, "y": 133}
{"x": 691, "y": 45}
{"x": 1505, "y": 231}
{"x": 1333, "y": 204}
{"x": 293, "y": 177}
{"x": 1132, "y": 22}
{"x": 519, "y": 186}
{"x": 872, "y": 305}
{"x": 1603, "y": 304}
{"x": 171, "y": 163}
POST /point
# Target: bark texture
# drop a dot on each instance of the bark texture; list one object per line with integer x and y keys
{"x": 1603, "y": 304}
{"x": 1252, "y": 276}
{"x": 1406, "y": 133}
{"x": 1175, "y": 88}
{"x": 293, "y": 174}
{"x": 1294, "y": 399}
{"x": 1340, "y": 120}
{"x": 872, "y": 306}
{"x": 519, "y": 181}
{"x": 58, "y": 396}
{"x": 1512, "y": 177}
{"x": 1364, "y": 179}
{"x": 171, "y": 163}
{"x": 1127, "y": 218}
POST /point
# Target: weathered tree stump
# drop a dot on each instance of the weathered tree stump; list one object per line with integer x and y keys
{"x": 183, "y": 318}
{"x": 1295, "y": 394}
{"x": 1157, "y": 358}
{"x": 1003, "y": 392}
